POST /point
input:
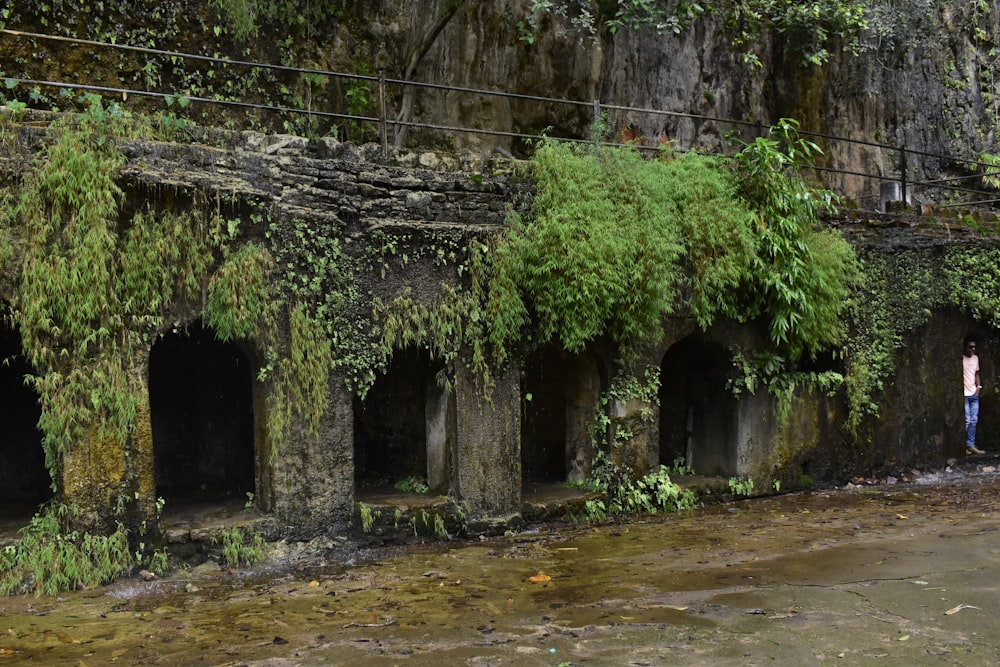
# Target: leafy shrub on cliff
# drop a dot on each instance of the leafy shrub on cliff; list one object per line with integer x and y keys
{"x": 803, "y": 276}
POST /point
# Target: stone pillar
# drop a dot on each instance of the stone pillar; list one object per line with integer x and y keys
{"x": 635, "y": 428}
{"x": 487, "y": 453}
{"x": 313, "y": 478}
{"x": 142, "y": 453}
{"x": 755, "y": 433}
{"x": 439, "y": 411}
{"x": 583, "y": 391}
{"x": 108, "y": 480}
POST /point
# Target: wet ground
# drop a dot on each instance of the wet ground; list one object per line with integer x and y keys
{"x": 889, "y": 574}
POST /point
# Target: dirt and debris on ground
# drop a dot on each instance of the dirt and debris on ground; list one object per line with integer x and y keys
{"x": 901, "y": 569}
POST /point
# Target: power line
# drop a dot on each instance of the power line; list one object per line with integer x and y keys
{"x": 381, "y": 81}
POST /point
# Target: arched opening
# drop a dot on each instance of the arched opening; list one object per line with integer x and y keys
{"x": 201, "y": 408}
{"x": 543, "y": 416}
{"x": 401, "y": 428}
{"x": 559, "y": 394}
{"x": 25, "y": 483}
{"x": 697, "y": 411}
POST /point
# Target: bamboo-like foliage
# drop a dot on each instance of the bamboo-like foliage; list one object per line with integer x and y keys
{"x": 600, "y": 253}
{"x": 92, "y": 288}
{"x": 48, "y": 559}
{"x": 614, "y": 242}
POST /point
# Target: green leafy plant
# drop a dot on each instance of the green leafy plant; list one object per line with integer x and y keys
{"x": 623, "y": 495}
{"x": 740, "y": 487}
{"x": 440, "y": 531}
{"x": 412, "y": 485}
{"x": 598, "y": 254}
{"x": 368, "y": 516}
{"x": 680, "y": 467}
{"x": 241, "y": 548}
{"x": 803, "y": 276}
{"x": 48, "y": 558}
{"x": 989, "y": 163}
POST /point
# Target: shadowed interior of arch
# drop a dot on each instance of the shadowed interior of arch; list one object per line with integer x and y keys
{"x": 393, "y": 426}
{"x": 697, "y": 411}
{"x": 201, "y": 407}
{"x": 24, "y": 481}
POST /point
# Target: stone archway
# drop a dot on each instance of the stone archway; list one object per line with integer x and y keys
{"x": 201, "y": 409}
{"x": 402, "y": 428}
{"x": 25, "y": 483}
{"x": 698, "y": 415}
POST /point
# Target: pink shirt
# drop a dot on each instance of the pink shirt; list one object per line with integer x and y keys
{"x": 970, "y": 366}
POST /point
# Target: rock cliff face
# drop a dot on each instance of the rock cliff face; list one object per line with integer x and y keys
{"x": 922, "y": 79}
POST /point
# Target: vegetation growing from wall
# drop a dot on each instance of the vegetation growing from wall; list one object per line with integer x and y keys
{"x": 458, "y": 321}
{"x": 86, "y": 300}
{"x": 246, "y": 302}
{"x": 600, "y": 254}
{"x": 94, "y": 289}
{"x": 897, "y": 296}
{"x": 899, "y": 293}
{"x": 803, "y": 275}
{"x": 811, "y": 27}
{"x": 612, "y": 240}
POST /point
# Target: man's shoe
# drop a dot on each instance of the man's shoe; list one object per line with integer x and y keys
{"x": 973, "y": 450}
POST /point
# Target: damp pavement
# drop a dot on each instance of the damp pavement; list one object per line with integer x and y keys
{"x": 883, "y": 572}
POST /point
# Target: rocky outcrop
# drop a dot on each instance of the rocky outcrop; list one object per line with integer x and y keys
{"x": 922, "y": 78}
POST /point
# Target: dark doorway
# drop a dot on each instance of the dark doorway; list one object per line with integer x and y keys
{"x": 390, "y": 424}
{"x": 697, "y": 411}
{"x": 201, "y": 408}
{"x": 25, "y": 483}
{"x": 543, "y": 416}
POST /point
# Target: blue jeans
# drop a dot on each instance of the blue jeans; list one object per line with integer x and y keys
{"x": 971, "y": 419}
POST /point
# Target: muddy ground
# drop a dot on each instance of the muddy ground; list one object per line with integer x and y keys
{"x": 888, "y": 574}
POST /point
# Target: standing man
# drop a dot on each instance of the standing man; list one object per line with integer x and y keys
{"x": 970, "y": 378}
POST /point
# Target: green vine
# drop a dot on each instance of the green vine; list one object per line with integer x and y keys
{"x": 88, "y": 295}
{"x": 897, "y": 296}
{"x": 93, "y": 290}
{"x": 900, "y": 292}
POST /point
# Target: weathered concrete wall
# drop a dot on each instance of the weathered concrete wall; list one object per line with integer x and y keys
{"x": 487, "y": 463}
{"x": 419, "y": 204}
{"x": 313, "y": 481}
